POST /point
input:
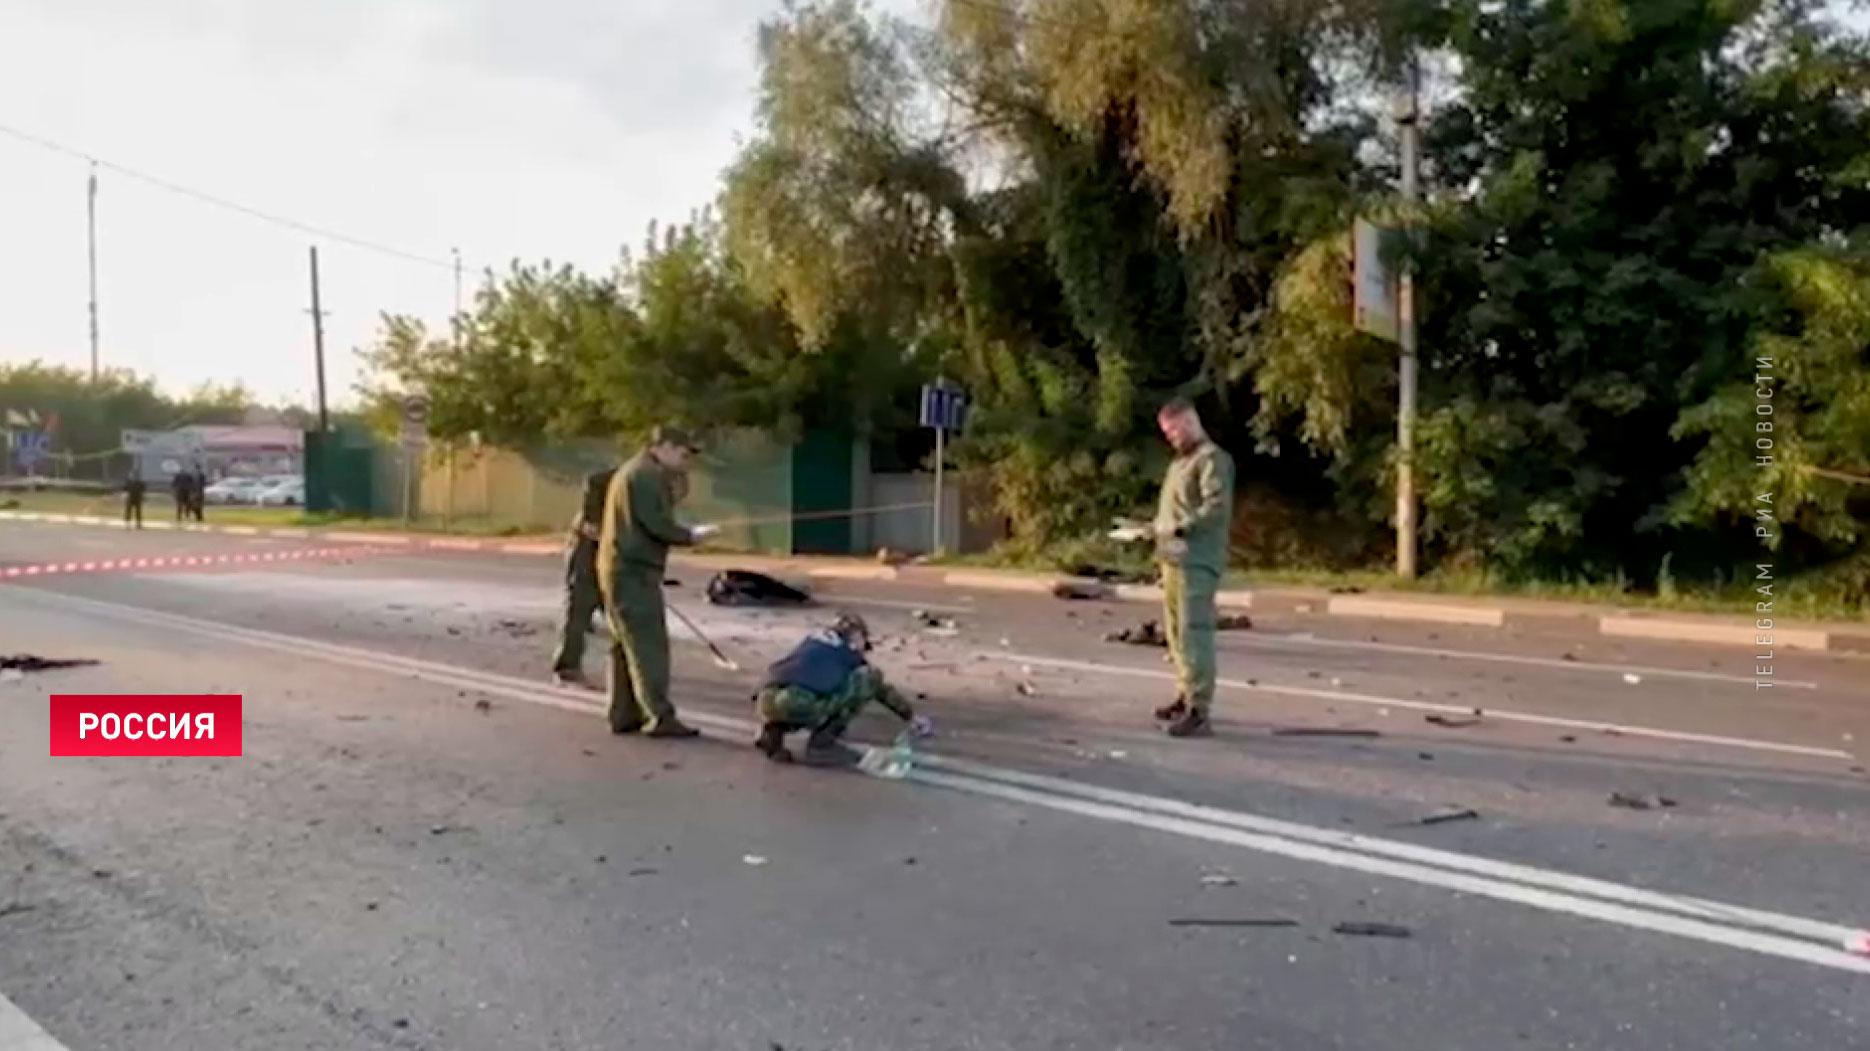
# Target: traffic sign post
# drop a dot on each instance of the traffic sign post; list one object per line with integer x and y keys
{"x": 415, "y": 438}
{"x": 31, "y": 448}
{"x": 944, "y": 408}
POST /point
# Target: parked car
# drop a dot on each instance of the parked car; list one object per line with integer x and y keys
{"x": 289, "y": 493}
{"x": 232, "y": 491}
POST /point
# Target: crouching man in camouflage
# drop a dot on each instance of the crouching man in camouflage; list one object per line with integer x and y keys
{"x": 821, "y": 686}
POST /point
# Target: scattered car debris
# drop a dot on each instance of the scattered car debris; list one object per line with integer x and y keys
{"x": 643, "y": 872}
{"x": 1629, "y": 801}
{"x": 1324, "y": 731}
{"x": 1343, "y": 590}
{"x": 15, "y": 908}
{"x": 483, "y": 706}
{"x": 1570, "y": 657}
{"x": 442, "y": 830}
{"x": 1217, "y": 879}
{"x": 740, "y": 587}
{"x": 1448, "y": 814}
{"x": 933, "y": 624}
{"x": 1454, "y": 722}
{"x": 1233, "y": 622}
{"x": 1148, "y": 633}
{"x": 1118, "y": 753}
{"x": 25, "y": 663}
{"x": 1569, "y": 739}
{"x": 1077, "y": 590}
{"x": 518, "y": 629}
{"x": 1026, "y": 689}
{"x": 1631, "y": 678}
{"x": 1086, "y": 571}
{"x": 754, "y": 860}
{"x": 1191, "y": 922}
{"x": 1372, "y": 930}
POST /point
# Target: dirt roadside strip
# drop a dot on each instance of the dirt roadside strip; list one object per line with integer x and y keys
{"x": 1836, "y": 637}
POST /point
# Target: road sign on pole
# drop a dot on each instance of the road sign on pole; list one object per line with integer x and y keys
{"x": 415, "y": 438}
{"x": 32, "y": 448}
{"x": 944, "y": 408}
{"x": 1373, "y": 293}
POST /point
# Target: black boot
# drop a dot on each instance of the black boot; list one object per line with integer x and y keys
{"x": 1172, "y": 711}
{"x": 1193, "y": 723}
{"x": 772, "y": 742}
{"x": 824, "y": 748}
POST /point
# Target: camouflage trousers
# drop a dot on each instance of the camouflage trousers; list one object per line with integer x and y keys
{"x": 798, "y": 708}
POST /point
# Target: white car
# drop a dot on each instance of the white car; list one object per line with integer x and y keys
{"x": 232, "y": 491}
{"x": 285, "y": 494}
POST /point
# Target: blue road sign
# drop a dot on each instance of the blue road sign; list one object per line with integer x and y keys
{"x": 943, "y": 407}
{"x": 32, "y": 448}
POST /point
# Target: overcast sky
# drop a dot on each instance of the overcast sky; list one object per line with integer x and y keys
{"x": 532, "y": 128}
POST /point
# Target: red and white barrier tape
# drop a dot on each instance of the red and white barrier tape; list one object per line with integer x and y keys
{"x": 170, "y": 562}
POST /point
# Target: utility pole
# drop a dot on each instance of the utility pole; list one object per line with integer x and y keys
{"x": 91, "y": 245}
{"x": 318, "y": 345}
{"x": 1407, "y": 120}
{"x": 448, "y": 511}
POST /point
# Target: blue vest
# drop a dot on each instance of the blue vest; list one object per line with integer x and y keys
{"x": 823, "y": 663}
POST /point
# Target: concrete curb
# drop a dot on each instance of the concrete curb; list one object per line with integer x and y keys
{"x": 1690, "y": 628}
{"x": 1717, "y": 632}
{"x": 1421, "y": 612}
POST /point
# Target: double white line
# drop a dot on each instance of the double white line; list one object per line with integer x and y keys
{"x": 1712, "y": 922}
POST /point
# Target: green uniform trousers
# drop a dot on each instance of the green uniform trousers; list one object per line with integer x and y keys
{"x": 798, "y": 708}
{"x": 639, "y": 648}
{"x": 1189, "y": 620}
{"x": 582, "y": 599}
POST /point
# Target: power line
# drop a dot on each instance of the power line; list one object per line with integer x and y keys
{"x": 221, "y": 202}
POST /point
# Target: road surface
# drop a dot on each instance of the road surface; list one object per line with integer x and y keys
{"x": 425, "y": 846}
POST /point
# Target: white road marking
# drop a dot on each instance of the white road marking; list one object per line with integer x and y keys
{"x": 20, "y": 1033}
{"x": 1273, "y": 641}
{"x": 1585, "y": 886}
{"x": 1376, "y": 701}
{"x": 1767, "y": 933}
{"x": 1833, "y": 956}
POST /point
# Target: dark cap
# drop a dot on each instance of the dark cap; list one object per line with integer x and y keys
{"x": 665, "y": 434}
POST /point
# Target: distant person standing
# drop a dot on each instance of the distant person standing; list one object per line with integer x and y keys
{"x": 133, "y": 492}
{"x": 582, "y": 595}
{"x": 182, "y": 489}
{"x": 639, "y": 528}
{"x": 197, "y": 492}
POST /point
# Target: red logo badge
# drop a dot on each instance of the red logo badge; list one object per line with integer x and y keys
{"x": 179, "y": 725}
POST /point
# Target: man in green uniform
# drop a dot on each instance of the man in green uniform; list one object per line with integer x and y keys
{"x": 582, "y": 598}
{"x": 821, "y": 686}
{"x": 1194, "y": 517}
{"x": 638, "y": 529}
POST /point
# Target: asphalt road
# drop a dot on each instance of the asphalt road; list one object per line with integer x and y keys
{"x": 424, "y": 846}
